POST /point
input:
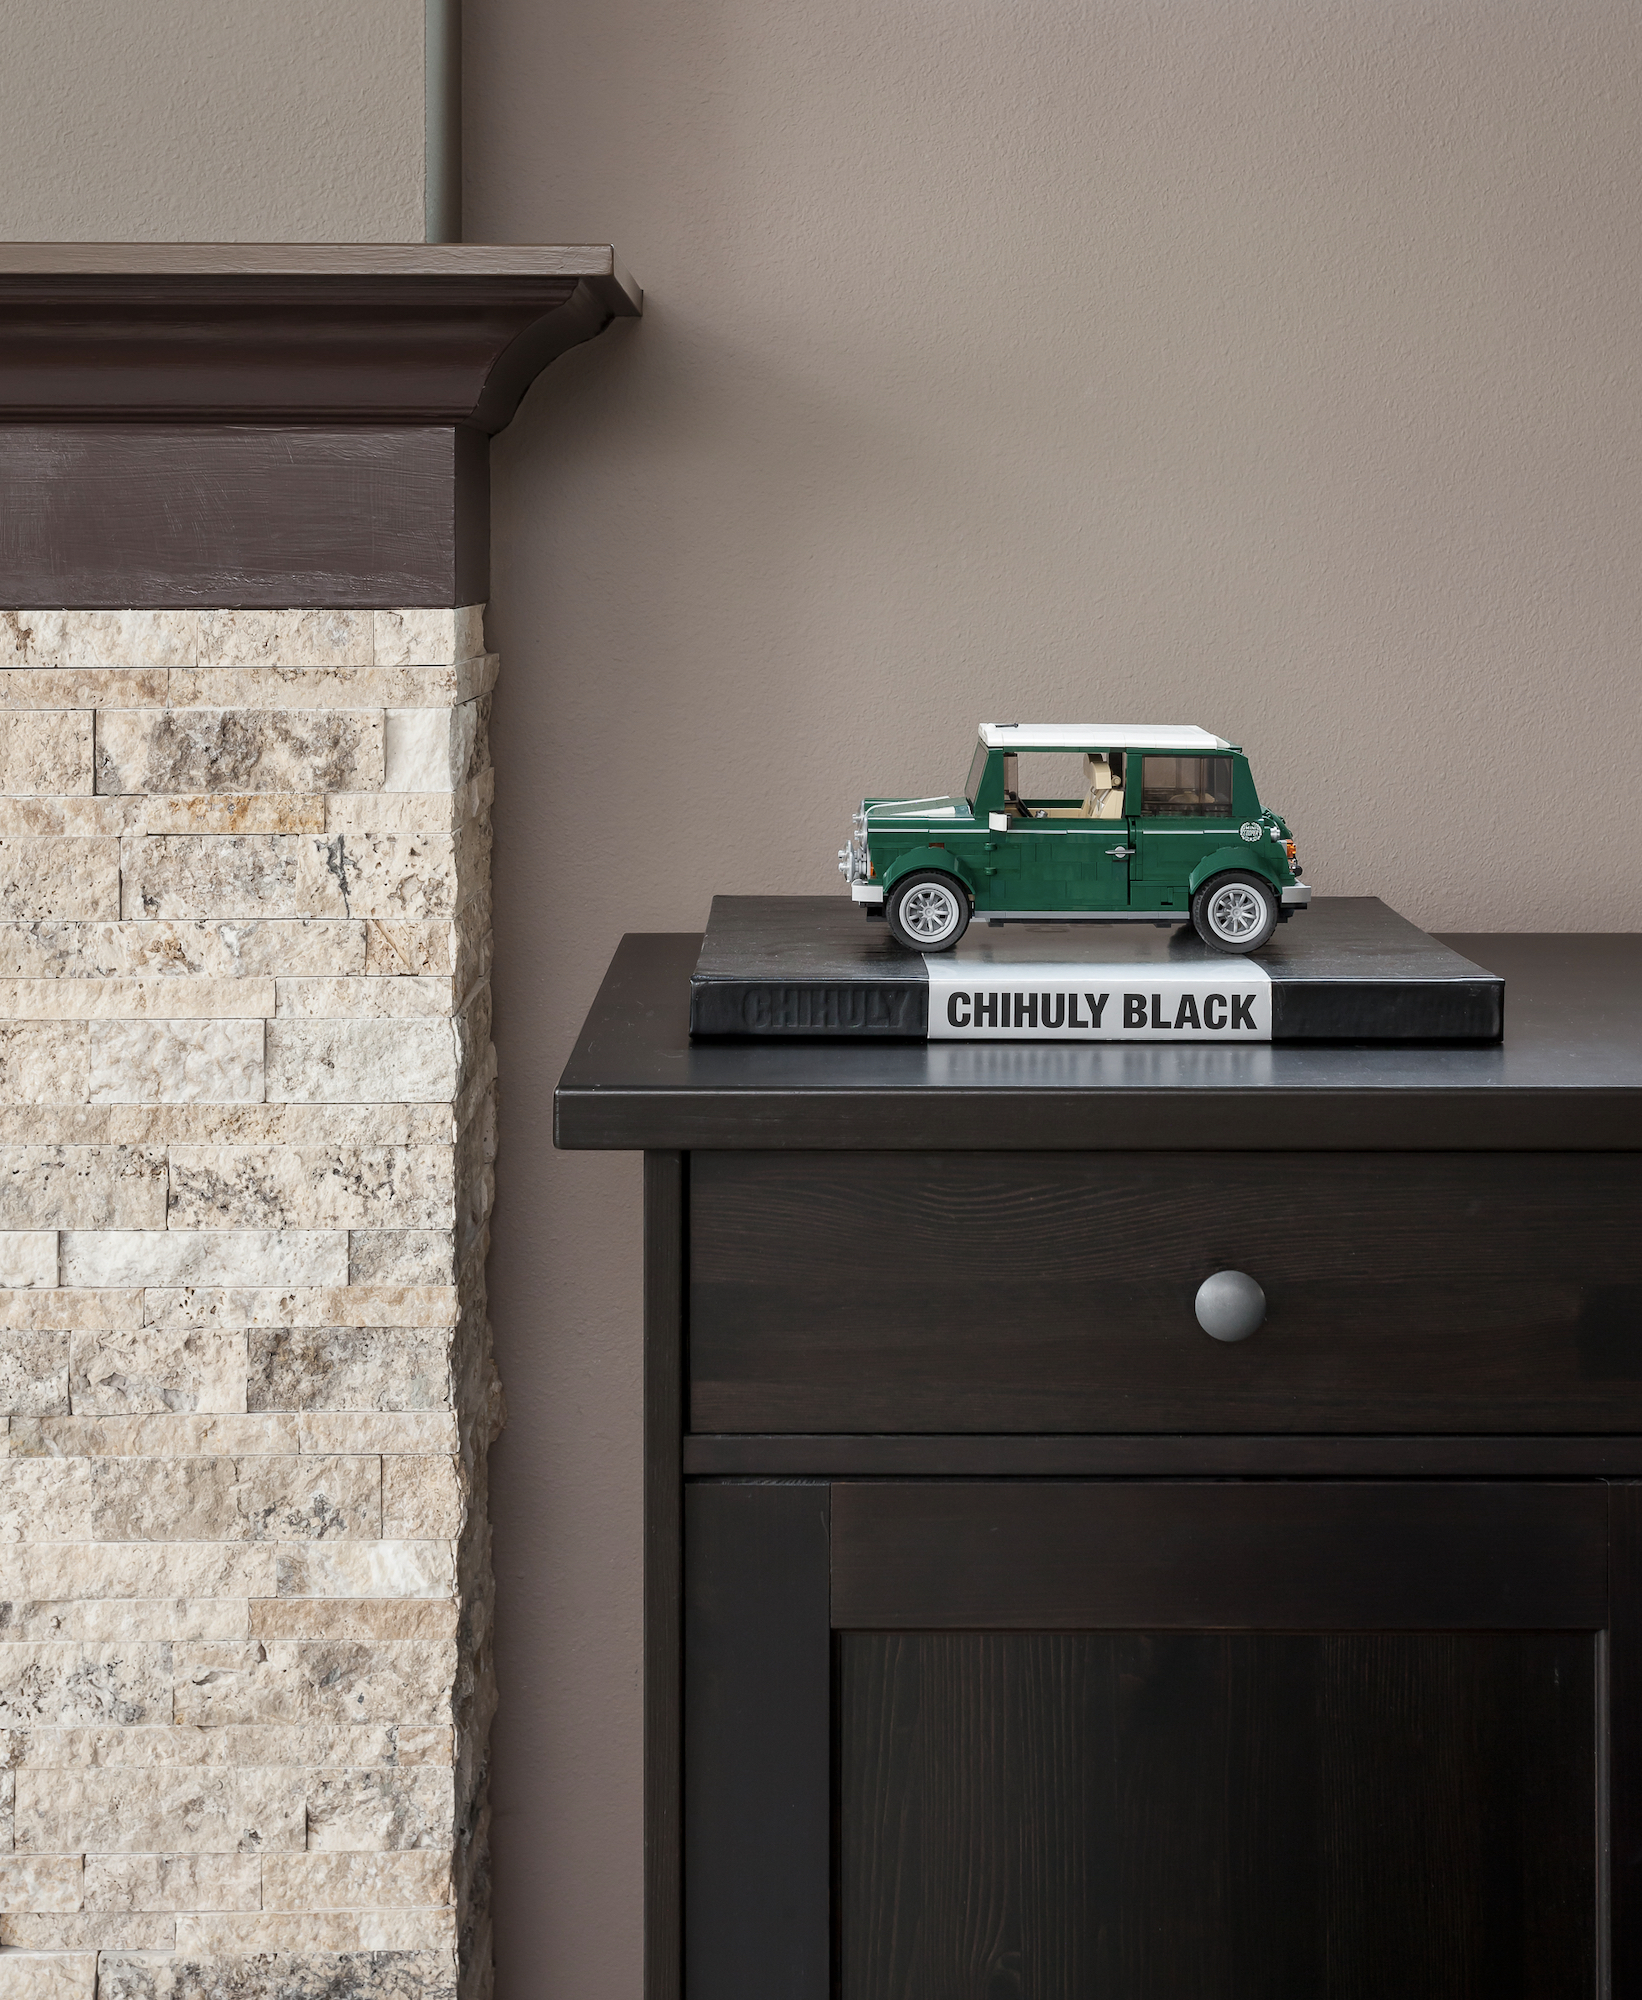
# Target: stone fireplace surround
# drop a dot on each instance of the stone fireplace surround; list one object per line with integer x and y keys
{"x": 247, "y": 1110}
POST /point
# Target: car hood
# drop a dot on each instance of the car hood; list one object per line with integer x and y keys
{"x": 882, "y": 812}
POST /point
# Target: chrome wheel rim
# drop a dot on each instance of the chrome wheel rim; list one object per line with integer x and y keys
{"x": 930, "y": 913}
{"x": 1235, "y": 913}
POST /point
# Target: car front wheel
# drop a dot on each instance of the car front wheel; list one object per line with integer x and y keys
{"x": 928, "y": 912}
{"x": 1235, "y": 912}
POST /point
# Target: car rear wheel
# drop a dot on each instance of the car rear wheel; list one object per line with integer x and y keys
{"x": 928, "y": 912}
{"x": 1235, "y": 912}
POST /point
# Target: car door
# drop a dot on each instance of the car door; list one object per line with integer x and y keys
{"x": 1184, "y": 814}
{"x": 1079, "y": 865}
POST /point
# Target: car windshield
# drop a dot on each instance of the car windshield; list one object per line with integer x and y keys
{"x": 1186, "y": 787}
{"x": 977, "y": 771}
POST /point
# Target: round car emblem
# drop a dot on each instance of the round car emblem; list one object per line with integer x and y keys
{"x": 1251, "y": 829}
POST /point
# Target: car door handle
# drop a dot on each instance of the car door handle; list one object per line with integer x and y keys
{"x": 1120, "y": 853}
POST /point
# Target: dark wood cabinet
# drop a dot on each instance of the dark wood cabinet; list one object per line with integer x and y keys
{"x": 1010, "y": 1639}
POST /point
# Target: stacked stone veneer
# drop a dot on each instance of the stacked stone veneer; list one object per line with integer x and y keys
{"x": 246, "y": 1119}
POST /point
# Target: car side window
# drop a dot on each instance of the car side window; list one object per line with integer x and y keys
{"x": 1186, "y": 787}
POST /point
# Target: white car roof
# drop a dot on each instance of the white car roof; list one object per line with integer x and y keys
{"x": 1098, "y": 736}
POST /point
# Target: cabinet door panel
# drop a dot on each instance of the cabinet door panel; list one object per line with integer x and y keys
{"x": 970, "y": 1740}
{"x": 1128, "y": 1815}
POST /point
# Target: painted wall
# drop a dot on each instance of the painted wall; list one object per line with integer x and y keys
{"x": 1269, "y": 366}
{"x": 233, "y": 121}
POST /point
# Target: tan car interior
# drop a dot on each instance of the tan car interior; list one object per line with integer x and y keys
{"x": 1102, "y": 796}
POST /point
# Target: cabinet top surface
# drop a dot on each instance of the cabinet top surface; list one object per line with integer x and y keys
{"x": 1568, "y": 1075}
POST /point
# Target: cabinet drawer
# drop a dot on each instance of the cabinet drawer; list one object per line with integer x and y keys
{"x": 1457, "y": 1292}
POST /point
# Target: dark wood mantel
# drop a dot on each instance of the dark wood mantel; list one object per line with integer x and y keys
{"x": 267, "y": 424}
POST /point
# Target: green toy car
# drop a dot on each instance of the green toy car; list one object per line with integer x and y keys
{"x": 1093, "y": 823}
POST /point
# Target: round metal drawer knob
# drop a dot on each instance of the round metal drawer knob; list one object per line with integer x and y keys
{"x": 1230, "y": 1305}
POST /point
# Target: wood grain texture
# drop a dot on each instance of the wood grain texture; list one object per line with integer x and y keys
{"x": 939, "y": 1455}
{"x": 664, "y": 1200}
{"x": 1624, "y": 1737}
{"x": 1138, "y": 1814}
{"x": 757, "y": 1744}
{"x": 252, "y": 515}
{"x": 382, "y": 346}
{"x": 1568, "y": 1076}
{"x": 1055, "y": 1292}
{"x": 1231, "y": 1556}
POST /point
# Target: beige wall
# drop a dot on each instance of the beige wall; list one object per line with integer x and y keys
{"x": 1266, "y": 366}
{"x": 211, "y": 121}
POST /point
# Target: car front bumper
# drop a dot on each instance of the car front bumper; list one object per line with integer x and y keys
{"x": 1297, "y": 895}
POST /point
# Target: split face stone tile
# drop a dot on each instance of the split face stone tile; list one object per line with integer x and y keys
{"x": 177, "y": 750}
{"x": 270, "y": 1307}
{"x": 155, "y": 1437}
{"x": 28, "y": 1258}
{"x": 167, "y": 1810}
{"x": 154, "y": 1369}
{"x": 313, "y": 1931}
{"x": 426, "y": 637}
{"x": 124, "y": 1621}
{"x": 79, "y": 687}
{"x": 197, "y": 949}
{"x": 44, "y": 1062}
{"x": 426, "y": 749}
{"x": 287, "y": 876}
{"x": 200, "y": 877}
{"x": 68, "y": 1309}
{"x": 176, "y": 1257}
{"x": 266, "y": 1125}
{"x": 365, "y": 1569}
{"x": 336, "y": 1062}
{"x": 402, "y": 1256}
{"x": 372, "y": 812}
{"x": 309, "y": 1498}
{"x": 45, "y": 1882}
{"x": 280, "y": 1975}
{"x": 393, "y": 950}
{"x": 359, "y": 686}
{"x": 224, "y": 1685}
{"x": 45, "y": 752}
{"x": 231, "y": 812}
{"x": 99, "y": 638}
{"x": 400, "y": 999}
{"x": 230, "y": 1187}
{"x": 44, "y": 1501}
{"x": 176, "y": 1062}
{"x": 282, "y": 1682}
{"x": 430, "y": 1432}
{"x": 232, "y": 1746}
{"x": 370, "y": 1618}
{"x": 33, "y": 1374}
{"x": 50, "y": 1975}
{"x": 423, "y": 1498}
{"x": 80, "y": 1187}
{"x": 74, "y": 1572}
{"x": 379, "y": 1811}
{"x": 172, "y": 1882}
{"x": 415, "y": 1878}
{"x": 348, "y": 1368}
{"x": 81, "y": 818}
{"x": 299, "y": 637}
{"x": 46, "y": 877}
{"x": 87, "y": 1931}
{"x": 137, "y": 999}
{"x": 53, "y": 1683}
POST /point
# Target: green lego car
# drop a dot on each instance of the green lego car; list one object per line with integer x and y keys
{"x": 1090, "y": 823}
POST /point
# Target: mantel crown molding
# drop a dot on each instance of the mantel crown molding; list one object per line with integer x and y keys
{"x": 235, "y": 333}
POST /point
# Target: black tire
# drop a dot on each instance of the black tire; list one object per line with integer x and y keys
{"x": 1236, "y": 912}
{"x": 938, "y": 915}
